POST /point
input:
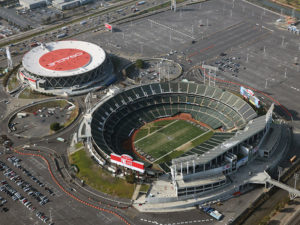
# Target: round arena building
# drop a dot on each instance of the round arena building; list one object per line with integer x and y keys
{"x": 66, "y": 67}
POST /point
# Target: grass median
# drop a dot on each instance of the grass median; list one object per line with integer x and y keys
{"x": 98, "y": 178}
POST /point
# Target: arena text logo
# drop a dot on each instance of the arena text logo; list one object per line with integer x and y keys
{"x": 65, "y": 59}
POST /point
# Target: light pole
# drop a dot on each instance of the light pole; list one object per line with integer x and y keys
{"x": 203, "y": 73}
{"x": 282, "y": 42}
{"x": 279, "y": 172}
{"x": 296, "y": 177}
{"x": 285, "y": 71}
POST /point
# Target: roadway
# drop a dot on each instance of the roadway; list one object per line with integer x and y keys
{"x": 3, "y": 97}
{"x": 235, "y": 37}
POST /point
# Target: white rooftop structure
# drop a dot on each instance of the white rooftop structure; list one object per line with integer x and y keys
{"x": 63, "y": 58}
{"x": 31, "y": 4}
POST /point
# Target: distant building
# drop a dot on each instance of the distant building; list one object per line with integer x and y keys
{"x": 83, "y": 2}
{"x": 33, "y": 4}
{"x": 65, "y": 4}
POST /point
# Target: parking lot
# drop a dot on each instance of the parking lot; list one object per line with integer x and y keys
{"x": 21, "y": 186}
{"x": 155, "y": 70}
{"x": 159, "y": 34}
{"x": 269, "y": 54}
{"x": 95, "y": 24}
{"x": 37, "y": 124}
{"x": 23, "y": 205}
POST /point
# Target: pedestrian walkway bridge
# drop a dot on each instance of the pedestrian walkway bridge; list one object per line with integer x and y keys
{"x": 293, "y": 192}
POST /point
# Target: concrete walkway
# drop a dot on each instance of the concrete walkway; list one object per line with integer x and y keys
{"x": 136, "y": 192}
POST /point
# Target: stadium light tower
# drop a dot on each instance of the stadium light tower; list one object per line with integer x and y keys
{"x": 212, "y": 73}
{"x": 173, "y": 5}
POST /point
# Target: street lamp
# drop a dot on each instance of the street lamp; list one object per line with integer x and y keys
{"x": 296, "y": 177}
{"x": 279, "y": 172}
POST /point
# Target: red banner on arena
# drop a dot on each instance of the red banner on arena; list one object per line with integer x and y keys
{"x": 127, "y": 161}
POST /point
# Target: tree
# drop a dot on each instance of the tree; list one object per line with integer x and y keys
{"x": 55, "y": 126}
{"x": 130, "y": 178}
{"x": 139, "y": 63}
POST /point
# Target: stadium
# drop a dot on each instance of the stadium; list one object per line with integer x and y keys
{"x": 66, "y": 67}
{"x": 195, "y": 134}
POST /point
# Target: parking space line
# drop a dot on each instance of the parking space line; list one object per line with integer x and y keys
{"x": 36, "y": 162}
{"x": 170, "y": 28}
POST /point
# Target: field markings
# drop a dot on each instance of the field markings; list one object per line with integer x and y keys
{"x": 194, "y": 139}
{"x": 181, "y": 145}
{"x": 155, "y": 131}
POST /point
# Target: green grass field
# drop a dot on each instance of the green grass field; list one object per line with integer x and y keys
{"x": 162, "y": 137}
{"x": 99, "y": 179}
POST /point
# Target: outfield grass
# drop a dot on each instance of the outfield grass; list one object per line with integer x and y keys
{"x": 167, "y": 138}
{"x": 100, "y": 179}
{"x": 150, "y": 128}
{"x": 169, "y": 157}
{"x": 201, "y": 139}
{"x": 141, "y": 133}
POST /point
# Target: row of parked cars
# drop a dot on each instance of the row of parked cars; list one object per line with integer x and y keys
{"x": 3, "y": 201}
{"x": 229, "y": 64}
{"x": 27, "y": 188}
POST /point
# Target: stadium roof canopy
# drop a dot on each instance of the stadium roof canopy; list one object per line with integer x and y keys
{"x": 63, "y": 58}
{"x": 253, "y": 127}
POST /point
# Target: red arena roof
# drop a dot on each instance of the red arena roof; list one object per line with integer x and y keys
{"x": 64, "y": 59}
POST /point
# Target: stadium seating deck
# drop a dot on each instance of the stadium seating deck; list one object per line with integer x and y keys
{"x": 183, "y": 87}
{"x": 155, "y": 88}
{"x": 116, "y": 118}
{"x": 192, "y": 88}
